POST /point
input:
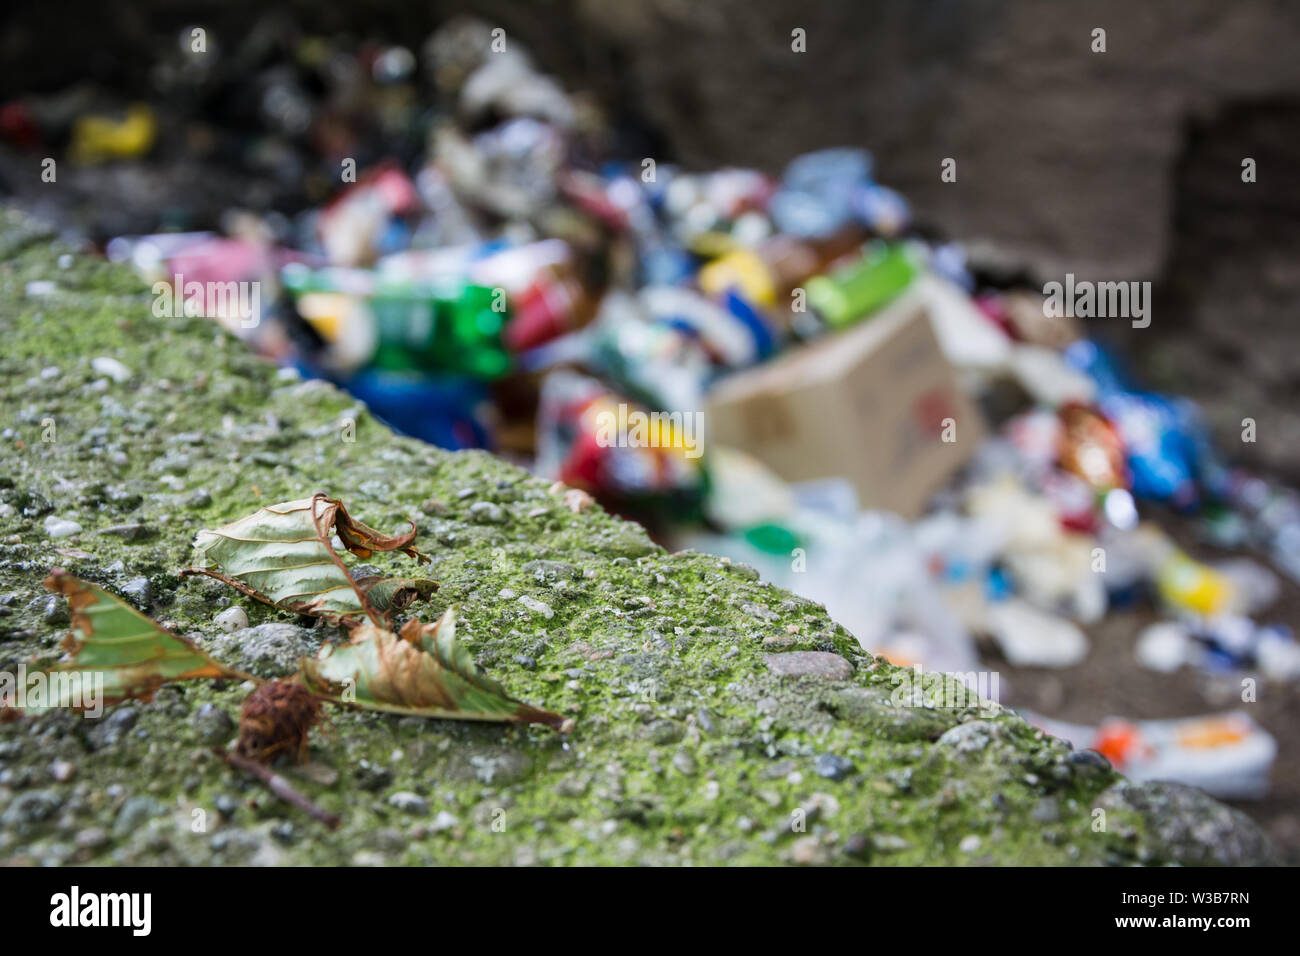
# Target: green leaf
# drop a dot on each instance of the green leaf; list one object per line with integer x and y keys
{"x": 117, "y": 652}
{"x": 282, "y": 555}
{"x": 423, "y": 672}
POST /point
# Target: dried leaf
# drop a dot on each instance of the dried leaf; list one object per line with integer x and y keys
{"x": 113, "y": 642}
{"x": 423, "y": 672}
{"x": 396, "y": 594}
{"x": 575, "y": 499}
{"x": 282, "y": 555}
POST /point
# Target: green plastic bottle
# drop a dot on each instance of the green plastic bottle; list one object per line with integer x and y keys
{"x": 439, "y": 326}
{"x": 859, "y": 288}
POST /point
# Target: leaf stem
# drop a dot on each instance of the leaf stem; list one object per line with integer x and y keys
{"x": 325, "y": 522}
{"x": 281, "y": 787}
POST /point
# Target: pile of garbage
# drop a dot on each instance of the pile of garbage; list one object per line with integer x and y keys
{"x": 782, "y": 370}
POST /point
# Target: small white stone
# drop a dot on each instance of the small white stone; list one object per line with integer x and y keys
{"x": 61, "y": 527}
{"x": 537, "y": 607}
{"x": 825, "y": 805}
{"x": 107, "y": 365}
{"x": 232, "y": 619}
{"x": 970, "y": 844}
{"x": 445, "y": 820}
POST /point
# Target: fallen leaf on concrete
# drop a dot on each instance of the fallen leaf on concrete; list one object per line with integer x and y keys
{"x": 112, "y": 642}
{"x": 423, "y": 671}
{"x": 282, "y": 555}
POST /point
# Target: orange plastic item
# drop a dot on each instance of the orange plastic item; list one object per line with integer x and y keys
{"x": 1213, "y": 732}
{"x": 1117, "y": 741}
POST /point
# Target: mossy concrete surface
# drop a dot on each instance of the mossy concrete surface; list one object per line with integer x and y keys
{"x": 123, "y": 434}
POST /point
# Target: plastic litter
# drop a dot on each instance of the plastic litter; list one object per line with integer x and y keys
{"x": 1029, "y": 637}
{"x": 1227, "y": 755}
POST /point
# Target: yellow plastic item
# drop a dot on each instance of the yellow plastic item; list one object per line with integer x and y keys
{"x": 617, "y": 423}
{"x": 740, "y": 269}
{"x": 99, "y": 138}
{"x": 325, "y": 312}
{"x": 1191, "y": 586}
{"x": 1213, "y": 732}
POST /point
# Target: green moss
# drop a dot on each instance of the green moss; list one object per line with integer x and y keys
{"x": 686, "y": 748}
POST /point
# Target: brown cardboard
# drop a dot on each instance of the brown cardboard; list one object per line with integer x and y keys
{"x": 867, "y": 404}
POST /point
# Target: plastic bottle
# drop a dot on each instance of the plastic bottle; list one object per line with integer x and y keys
{"x": 859, "y": 288}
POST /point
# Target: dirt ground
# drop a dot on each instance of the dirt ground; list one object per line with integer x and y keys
{"x": 1111, "y": 683}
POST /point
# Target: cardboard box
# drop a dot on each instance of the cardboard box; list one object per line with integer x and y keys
{"x": 869, "y": 404}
